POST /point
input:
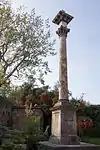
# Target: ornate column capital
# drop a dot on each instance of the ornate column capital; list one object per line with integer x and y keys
{"x": 62, "y": 31}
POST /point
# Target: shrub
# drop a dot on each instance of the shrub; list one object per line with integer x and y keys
{"x": 84, "y": 127}
{"x": 33, "y": 131}
{"x": 12, "y": 139}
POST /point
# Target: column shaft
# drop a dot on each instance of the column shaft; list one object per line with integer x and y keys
{"x": 63, "y": 79}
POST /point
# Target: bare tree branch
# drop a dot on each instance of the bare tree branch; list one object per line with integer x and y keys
{"x": 10, "y": 74}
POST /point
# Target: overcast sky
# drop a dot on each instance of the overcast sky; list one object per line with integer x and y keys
{"x": 83, "y": 43}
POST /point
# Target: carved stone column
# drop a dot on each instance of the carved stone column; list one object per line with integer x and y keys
{"x": 64, "y": 130}
{"x": 63, "y": 79}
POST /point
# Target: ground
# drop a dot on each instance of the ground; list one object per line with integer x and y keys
{"x": 91, "y": 140}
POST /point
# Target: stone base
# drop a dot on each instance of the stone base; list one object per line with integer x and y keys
{"x": 82, "y": 146}
{"x": 67, "y": 140}
{"x": 64, "y": 129}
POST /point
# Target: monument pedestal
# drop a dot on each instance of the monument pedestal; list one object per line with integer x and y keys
{"x": 64, "y": 130}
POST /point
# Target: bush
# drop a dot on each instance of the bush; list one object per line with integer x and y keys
{"x": 12, "y": 139}
{"x": 19, "y": 140}
{"x": 33, "y": 132}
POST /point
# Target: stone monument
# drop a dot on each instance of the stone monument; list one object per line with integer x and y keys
{"x": 63, "y": 114}
{"x": 64, "y": 129}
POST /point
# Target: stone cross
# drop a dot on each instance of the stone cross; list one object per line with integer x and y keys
{"x": 63, "y": 114}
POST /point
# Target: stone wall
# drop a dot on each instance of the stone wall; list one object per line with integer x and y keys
{"x": 15, "y": 116}
{"x": 19, "y": 116}
{"x": 5, "y": 115}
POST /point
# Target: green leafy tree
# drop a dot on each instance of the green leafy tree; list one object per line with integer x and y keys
{"x": 28, "y": 93}
{"x": 25, "y": 42}
{"x": 55, "y": 93}
{"x": 93, "y": 111}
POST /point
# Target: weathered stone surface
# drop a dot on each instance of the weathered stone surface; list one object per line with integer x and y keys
{"x": 63, "y": 114}
{"x": 56, "y": 122}
{"x": 63, "y": 80}
{"x": 19, "y": 117}
{"x": 5, "y": 115}
{"x": 64, "y": 130}
{"x": 62, "y": 16}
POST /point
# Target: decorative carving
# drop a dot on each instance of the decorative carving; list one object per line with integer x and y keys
{"x": 63, "y": 31}
{"x": 64, "y": 128}
{"x": 62, "y": 16}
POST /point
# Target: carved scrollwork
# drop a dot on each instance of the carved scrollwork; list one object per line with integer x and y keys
{"x": 63, "y": 31}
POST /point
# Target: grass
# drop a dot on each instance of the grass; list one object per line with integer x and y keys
{"x": 91, "y": 140}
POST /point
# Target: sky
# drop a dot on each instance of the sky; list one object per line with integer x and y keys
{"x": 83, "y": 43}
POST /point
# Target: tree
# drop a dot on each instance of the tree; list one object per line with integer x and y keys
{"x": 93, "y": 111}
{"x": 25, "y": 42}
{"x": 28, "y": 93}
{"x": 55, "y": 93}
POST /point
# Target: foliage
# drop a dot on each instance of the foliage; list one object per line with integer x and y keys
{"x": 46, "y": 99}
{"x": 84, "y": 127}
{"x": 79, "y": 103}
{"x": 42, "y": 95}
{"x": 94, "y": 112}
{"x": 25, "y": 42}
{"x": 54, "y": 93}
{"x": 17, "y": 140}
{"x": 33, "y": 131}
{"x": 85, "y": 124}
{"x": 32, "y": 125}
{"x": 27, "y": 93}
{"x": 11, "y": 139}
